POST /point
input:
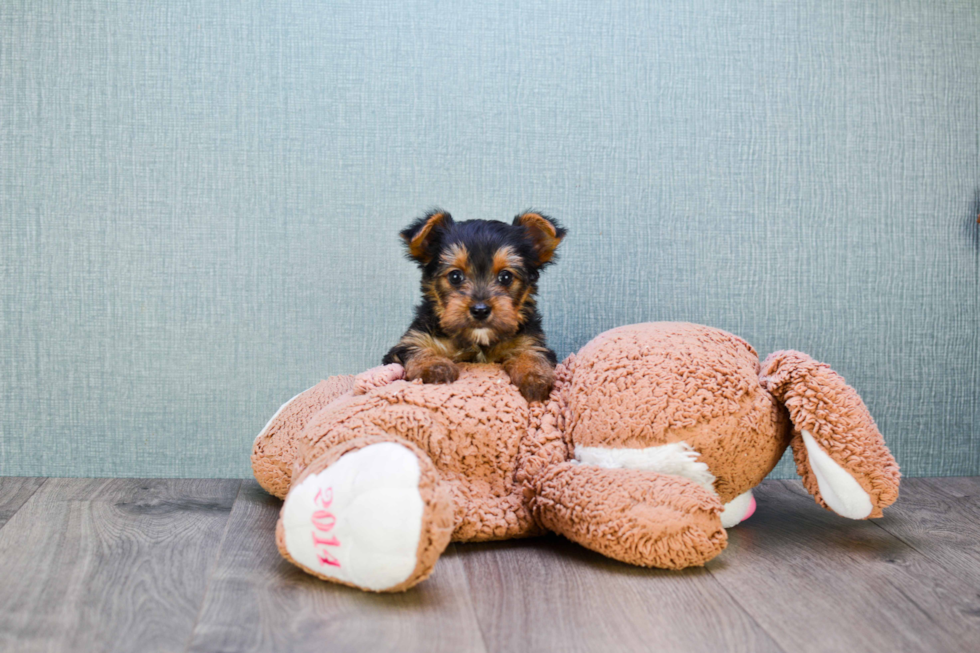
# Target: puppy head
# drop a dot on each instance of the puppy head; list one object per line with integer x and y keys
{"x": 480, "y": 276}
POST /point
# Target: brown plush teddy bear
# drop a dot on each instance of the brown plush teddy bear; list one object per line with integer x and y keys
{"x": 646, "y": 450}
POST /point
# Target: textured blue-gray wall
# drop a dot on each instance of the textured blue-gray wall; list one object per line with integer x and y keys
{"x": 199, "y": 200}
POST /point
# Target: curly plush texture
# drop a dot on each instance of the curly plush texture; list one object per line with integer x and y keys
{"x": 821, "y": 403}
{"x": 472, "y": 430}
{"x": 660, "y": 403}
{"x": 274, "y": 449}
{"x": 635, "y": 516}
{"x": 652, "y": 384}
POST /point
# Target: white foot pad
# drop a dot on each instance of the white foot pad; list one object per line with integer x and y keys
{"x": 359, "y": 520}
{"x": 738, "y": 509}
{"x": 838, "y": 488}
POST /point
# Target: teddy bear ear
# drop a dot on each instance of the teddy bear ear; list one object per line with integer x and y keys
{"x": 545, "y": 234}
{"x": 422, "y": 237}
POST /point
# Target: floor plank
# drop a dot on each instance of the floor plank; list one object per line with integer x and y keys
{"x": 110, "y": 565}
{"x": 548, "y": 594}
{"x": 818, "y": 582}
{"x": 964, "y": 488}
{"x": 120, "y": 565}
{"x": 940, "y": 518}
{"x": 14, "y": 492}
{"x": 257, "y": 601}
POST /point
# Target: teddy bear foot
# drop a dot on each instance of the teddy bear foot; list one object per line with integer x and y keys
{"x": 376, "y": 518}
{"x": 738, "y": 509}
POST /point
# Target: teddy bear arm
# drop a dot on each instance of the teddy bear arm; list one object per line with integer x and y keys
{"x": 636, "y": 516}
{"x": 378, "y": 377}
{"x": 839, "y": 452}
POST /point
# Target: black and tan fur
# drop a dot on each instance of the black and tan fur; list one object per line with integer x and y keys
{"x": 479, "y": 279}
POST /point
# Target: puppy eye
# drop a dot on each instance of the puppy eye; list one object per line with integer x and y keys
{"x": 456, "y": 277}
{"x": 505, "y": 277}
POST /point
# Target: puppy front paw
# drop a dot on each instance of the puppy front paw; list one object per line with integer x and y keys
{"x": 432, "y": 370}
{"x": 537, "y": 388}
{"x": 440, "y": 372}
{"x": 532, "y": 375}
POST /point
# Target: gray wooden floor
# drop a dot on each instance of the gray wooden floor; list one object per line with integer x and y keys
{"x": 190, "y": 565}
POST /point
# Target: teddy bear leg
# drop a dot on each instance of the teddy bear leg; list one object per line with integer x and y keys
{"x": 274, "y": 447}
{"x": 632, "y": 515}
{"x": 370, "y": 513}
{"x": 839, "y": 452}
{"x": 295, "y": 413}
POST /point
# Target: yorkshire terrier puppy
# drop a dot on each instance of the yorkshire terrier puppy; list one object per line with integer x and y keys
{"x": 479, "y": 279}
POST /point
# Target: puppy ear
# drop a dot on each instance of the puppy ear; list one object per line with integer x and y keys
{"x": 545, "y": 233}
{"x": 422, "y": 236}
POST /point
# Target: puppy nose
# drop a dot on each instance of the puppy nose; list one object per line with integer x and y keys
{"x": 480, "y": 311}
